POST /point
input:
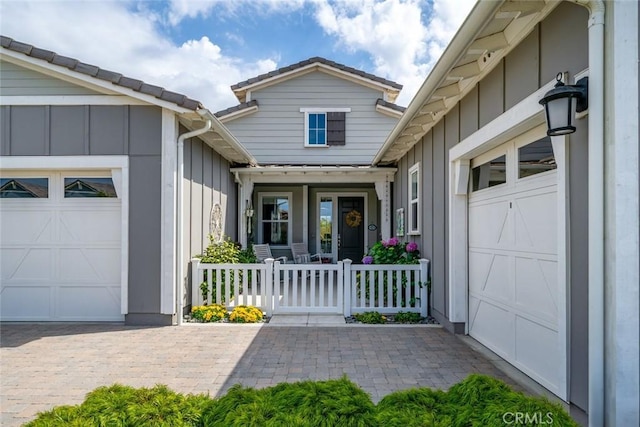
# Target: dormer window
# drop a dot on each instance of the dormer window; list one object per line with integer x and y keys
{"x": 324, "y": 127}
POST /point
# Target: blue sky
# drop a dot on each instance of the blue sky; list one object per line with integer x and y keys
{"x": 202, "y": 47}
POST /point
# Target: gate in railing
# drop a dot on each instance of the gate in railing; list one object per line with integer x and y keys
{"x": 343, "y": 288}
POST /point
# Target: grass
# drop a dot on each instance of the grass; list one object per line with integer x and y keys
{"x": 479, "y": 400}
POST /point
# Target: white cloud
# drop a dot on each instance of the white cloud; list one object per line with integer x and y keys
{"x": 111, "y": 36}
{"x": 403, "y": 48}
{"x": 127, "y": 37}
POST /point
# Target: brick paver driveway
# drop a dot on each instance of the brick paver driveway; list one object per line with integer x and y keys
{"x": 45, "y": 365}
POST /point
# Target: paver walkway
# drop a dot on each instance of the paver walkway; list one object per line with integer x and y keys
{"x": 45, "y": 365}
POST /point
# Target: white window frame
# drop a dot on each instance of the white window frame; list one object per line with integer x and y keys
{"x": 414, "y": 229}
{"x": 261, "y": 197}
{"x": 318, "y": 110}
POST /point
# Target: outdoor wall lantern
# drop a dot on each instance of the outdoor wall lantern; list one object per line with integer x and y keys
{"x": 562, "y": 103}
{"x": 248, "y": 212}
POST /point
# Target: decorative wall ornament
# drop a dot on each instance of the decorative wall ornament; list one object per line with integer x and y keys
{"x": 353, "y": 218}
{"x": 400, "y": 222}
{"x": 215, "y": 223}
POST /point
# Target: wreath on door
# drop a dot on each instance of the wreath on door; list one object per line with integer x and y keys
{"x": 354, "y": 218}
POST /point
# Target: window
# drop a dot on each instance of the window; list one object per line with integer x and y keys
{"x": 536, "y": 157}
{"x": 414, "y": 199}
{"x": 89, "y": 187}
{"x": 489, "y": 174}
{"x": 324, "y": 127}
{"x": 275, "y": 219}
{"x": 24, "y": 188}
{"x": 326, "y": 225}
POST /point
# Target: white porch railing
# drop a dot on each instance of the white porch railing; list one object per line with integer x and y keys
{"x": 344, "y": 287}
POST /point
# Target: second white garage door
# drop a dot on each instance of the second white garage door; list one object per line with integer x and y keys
{"x": 60, "y": 246}
{"x": 513, "y": 259}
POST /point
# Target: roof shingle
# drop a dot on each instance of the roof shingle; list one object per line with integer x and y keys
{"x": 97, "y": 72}
{"x": 316, "y": 59}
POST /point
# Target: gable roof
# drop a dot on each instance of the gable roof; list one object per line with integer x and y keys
{"x": 391, "y": 89}
{"x": 492, "y": 29}
{"x": 100, "y": 73}
{"x": 189, "y": 111}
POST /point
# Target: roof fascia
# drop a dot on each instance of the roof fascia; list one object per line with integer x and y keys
{"x": 83, "y": 80}
{"x": 238, "y": 114}
{"x": 244, "y": 92}
{"x": 326, "y": 174}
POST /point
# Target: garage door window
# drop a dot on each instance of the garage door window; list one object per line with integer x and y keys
{"x": 490, "y": 174}
{"x": 24, "y": 188}
{"x": 89, "y": 187}
{"x": 536, "y": 158}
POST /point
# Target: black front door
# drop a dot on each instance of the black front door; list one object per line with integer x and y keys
{"x": 351, "y": 228}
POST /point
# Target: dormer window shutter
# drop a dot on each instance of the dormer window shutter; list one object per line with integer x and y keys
{"x": 335, "y": 128}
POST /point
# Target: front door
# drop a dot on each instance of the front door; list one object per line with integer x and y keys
{"x": 351, "y": 228}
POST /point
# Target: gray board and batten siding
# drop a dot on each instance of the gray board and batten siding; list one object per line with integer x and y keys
{"x": 275, "y": 133}
{"x": 135, "y": 131}
{"x": 558, "y": 43}
{"x": 207, "y": 182}
{"x": 106, "y": 130}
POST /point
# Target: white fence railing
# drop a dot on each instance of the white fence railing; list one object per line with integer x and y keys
{"x": 343, "y": 287}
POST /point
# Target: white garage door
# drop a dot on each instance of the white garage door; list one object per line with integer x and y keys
{"x": 513, "y": 259}
{"x": 60, "y": 247}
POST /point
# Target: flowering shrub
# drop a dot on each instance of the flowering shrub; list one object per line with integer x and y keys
{"x": 209, "y": 313}
{"x": 392, "y": 251}
{"x": 245, "y": 314}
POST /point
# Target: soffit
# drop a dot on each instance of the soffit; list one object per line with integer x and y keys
{"x": 477, "y": 48}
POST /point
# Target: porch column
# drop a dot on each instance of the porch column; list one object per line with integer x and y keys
{"x": 244, "y": 197}
{"x": 383, "y": 191}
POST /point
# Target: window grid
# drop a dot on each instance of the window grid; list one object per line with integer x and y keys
{"x": 317, "y": 129}
{"x": 414, "y": 199}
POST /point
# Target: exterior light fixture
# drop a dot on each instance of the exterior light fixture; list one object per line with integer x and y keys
{"x": 562, "y": 103}
{"x": 248, "y": 212}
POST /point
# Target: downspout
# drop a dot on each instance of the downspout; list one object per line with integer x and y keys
{"x": 597, "y": 393}
{"x": 180, "y": 212}
{"x": 241, "y": 223}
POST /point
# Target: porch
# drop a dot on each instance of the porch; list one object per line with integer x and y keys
{"x": 343, "y": 288}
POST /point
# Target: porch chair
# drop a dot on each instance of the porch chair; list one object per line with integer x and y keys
{"x": 263, "y": 251}
{"x": 301, "y": 254}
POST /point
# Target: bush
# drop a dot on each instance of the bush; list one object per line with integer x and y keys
{"x": 224, "y": 252}
{"x": 120, "y": 405}
{"x": 393, "y": 251}
{"x": 209, "y": 313}
{"x": 372, "y": 317}
{"x": 245, "y": 314}
{"x": 477, "y": 401}
{"x": 407, "y": 317}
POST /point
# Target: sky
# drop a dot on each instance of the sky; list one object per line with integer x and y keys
{"x": 201, "y": 47}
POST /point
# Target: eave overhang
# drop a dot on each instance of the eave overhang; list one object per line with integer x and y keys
{"x": 492, "y": 29}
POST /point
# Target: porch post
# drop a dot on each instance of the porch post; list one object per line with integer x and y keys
{"x": 424, "y": 290}
{"x": 382, "y": 191}
{"x": 346, "y": 288}
{"x": 267, "y": 276}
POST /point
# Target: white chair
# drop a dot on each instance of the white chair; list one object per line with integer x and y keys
{"x": 263, "y": 251}
{"x": 301, "y": 254}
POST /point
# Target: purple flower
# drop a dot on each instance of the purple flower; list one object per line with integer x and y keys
{"x": 411, "y": 247}
{"x": 393, "y": 241}
{"x": 367, "y": 259}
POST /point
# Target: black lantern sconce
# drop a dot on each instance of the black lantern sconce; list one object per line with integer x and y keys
{"x": 562, "y": 103}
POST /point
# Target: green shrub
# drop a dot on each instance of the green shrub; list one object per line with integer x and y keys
{"x": 120, "y": 405}
{"x": 224, "y": 252}
{"x": 306, "y": 403}
{"x": 370, "y": 317}
{"x": 245, "y": 314}
{"x": 478, "y": 401}
{"x": 407, "y": 317}
{"x": 209, "y": 313}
